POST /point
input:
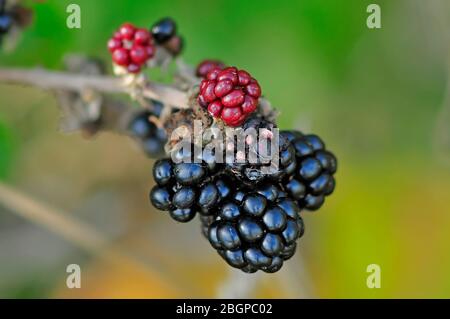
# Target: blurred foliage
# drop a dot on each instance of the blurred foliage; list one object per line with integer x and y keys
{"x": 6, "y": 149}
{"x": 373, "y": 95}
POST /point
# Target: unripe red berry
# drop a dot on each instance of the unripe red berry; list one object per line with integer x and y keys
{"x": 223, "y": 88}
{"x": 208, "y": 92}
{"x": 213, "y": 73}
{"x": 228, "y": 74}
{"x": 229, "y": 93}
{"x": 215, "y": 108}
{"x": 233, "y": 116}
{"x": 127, "y": 31}
{"x": 142, "y": 37}
{"x": 121, "y": 57}
{"x": 207, "y": 65}
{"x": 138, "y": 54}
{"x": 133, "y": 68}
{"x": 253, "y": 89}
{"x": 131, "y": 47}
{"x": 203, "y": 85}
{"x": 249, "y": 105}
{"x": 244, "y": 77}
{"x": 114, "y": 44}
{"x": 233, "y": 99}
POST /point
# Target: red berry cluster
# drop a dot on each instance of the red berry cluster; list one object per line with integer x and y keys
{"x": 229, "y": 94}
{"x": 207, "y": 65}
{"x": 131, "y": 47}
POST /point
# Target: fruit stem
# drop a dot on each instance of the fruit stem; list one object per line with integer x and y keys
{"x": 53, "y": 80}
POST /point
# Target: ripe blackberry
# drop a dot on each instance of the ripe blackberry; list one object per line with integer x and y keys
{"x": 206, "y": 221}
{"x": 131, "y": 47}
{"x": 313, "y": 178}
{"x": 186, "y": 188}
{"x": 165, "y": 34}
{"x": 157, "y": 108}
{"x": 303, "y": 167}
{"x": 176, "y": 191}
{"x": 256, "y": 229}
{"x": 151, "y": 137}
{"x": 257, "y": 162}
{"x": 229, "y": 94}
{"x": 207, "y": 65}
{"x": 6, "y": 22}
{"x": 164, "y": 30}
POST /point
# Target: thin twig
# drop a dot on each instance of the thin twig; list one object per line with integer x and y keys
{"x": 77, "y": 233}
{"x": 53, "y": 80}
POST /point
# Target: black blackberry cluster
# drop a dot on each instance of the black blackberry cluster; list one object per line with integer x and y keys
{"x": 250, "y": 216}
{"x": 313, "y": 178}
{"x": 185, "y": 188}
{"x": 256, "y": 229}
{"x": 151, "y": 137}
{"x": 304, "y": 168}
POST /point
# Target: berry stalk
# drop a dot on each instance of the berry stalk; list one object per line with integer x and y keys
{"x": 53, "y": 80}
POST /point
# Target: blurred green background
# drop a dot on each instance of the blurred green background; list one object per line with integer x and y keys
{"x": 379, "y": 98}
